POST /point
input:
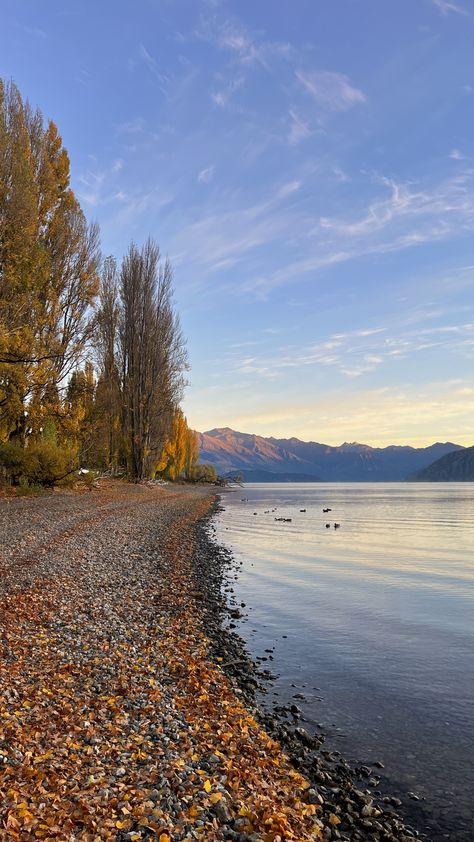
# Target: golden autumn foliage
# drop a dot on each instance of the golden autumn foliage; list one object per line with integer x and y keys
{"x": 49, "y": 259}
{"x": 180, "y": 452}
{"x": 86, "y": 704}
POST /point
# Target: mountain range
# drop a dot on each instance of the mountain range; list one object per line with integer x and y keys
{"x": 260, "y": 459}
{"x": 457, "y": 466}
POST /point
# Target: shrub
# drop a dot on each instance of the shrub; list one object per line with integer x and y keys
{"x": 41, "y": 462}
{"x": 49, "y": 464}
{"x": 13, "y": 460}
{"x": 203, "y": 473}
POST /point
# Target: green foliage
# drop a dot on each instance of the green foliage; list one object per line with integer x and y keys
{"x": 13, "y": 461}
{"x": 49, "y": 464}
{"x": 50, "y": 433}
{"x": 203, "y": 473}
{"x": 40, "y": 463}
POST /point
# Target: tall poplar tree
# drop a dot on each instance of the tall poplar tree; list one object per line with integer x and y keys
{"x": 153, "y": 356}
{"x": 49, "y": 259}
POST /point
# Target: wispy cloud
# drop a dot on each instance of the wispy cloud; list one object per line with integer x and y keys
{"x": 408, "y": 217}
{"x": 223, "y": 96}
{"x": 207, "y": 175}
{"x": 331, "y": 91}
{"x": 456, "y": 155}
{"x": 235, "y": 38}
{"x": 340, "y": 175}
{"x": 140, "y": 203}
{"x": 135, "y": 126}
{"x": 247, "y": 47}
{"x": 289, "y": 188}
{"x": 172, "y": 84}
{"x": 447, "y": 6}
{"x": 452, "y": 199}
{"x": 150, "y": 62}
{"x": 34, "y": 31}
{"x": 299, "y": 129}
{"x": 224, "y": 238}
{"x": 360, "y": 352}
{"x": 83, "y": 77}
{"x": 98, "y": 187}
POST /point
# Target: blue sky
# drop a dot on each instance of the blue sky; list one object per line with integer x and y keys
{"x": 309, "y": 169}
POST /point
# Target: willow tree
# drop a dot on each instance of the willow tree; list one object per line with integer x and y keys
{"x": 153, "y": 356}
{"x": 49, "y": 258}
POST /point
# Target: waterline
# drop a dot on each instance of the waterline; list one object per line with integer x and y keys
{"x": 379, "y": 614}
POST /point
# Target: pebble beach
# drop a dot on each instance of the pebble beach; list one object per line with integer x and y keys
{"x": 127, "y": 702}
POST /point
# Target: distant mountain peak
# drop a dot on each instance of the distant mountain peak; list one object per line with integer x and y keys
{"x": 217, "y": 431}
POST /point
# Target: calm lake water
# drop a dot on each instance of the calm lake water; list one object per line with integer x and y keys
{"x": 379, "y": 619}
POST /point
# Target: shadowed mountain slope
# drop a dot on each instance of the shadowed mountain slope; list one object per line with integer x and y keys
{"x": 454, "y": 467}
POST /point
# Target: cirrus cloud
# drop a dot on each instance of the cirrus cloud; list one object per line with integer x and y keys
{"x": 331, "y": 91}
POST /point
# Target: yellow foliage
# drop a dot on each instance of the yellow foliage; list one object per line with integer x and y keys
{"x": 180, "y": 452}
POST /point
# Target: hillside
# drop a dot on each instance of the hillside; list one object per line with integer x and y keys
{"x": 231, "y": 451}
{"x": 454, "y": 467}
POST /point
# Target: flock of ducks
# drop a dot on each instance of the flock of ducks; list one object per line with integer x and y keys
{"x": 289, "y": 519}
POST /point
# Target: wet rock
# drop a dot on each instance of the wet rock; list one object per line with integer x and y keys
{"x": 304, "y": 737}
{"x": 314, "y": 797}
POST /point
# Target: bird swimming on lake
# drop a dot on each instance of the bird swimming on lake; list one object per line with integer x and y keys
{"x": 328, "y": 525}
{"x": 337, "y": 525}
{"x": 325, "y": 511}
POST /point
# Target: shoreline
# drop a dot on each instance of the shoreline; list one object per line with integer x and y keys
{"x": 115, "y": 721}
{"x": 127, "y": 710}
{"x": 341, "y": 787}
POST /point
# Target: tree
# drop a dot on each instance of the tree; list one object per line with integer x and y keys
{"x": 153, "y": 356}
{"x": 180, "y": 452}
{"x": 108, "y": 392}
{"x": 49, "y": 258}
{"x": 53, "y": 407}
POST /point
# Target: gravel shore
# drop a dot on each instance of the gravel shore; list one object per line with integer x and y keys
{"x": 127, "y": 711}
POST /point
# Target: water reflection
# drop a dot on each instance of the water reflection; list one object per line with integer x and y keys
{"x": 379, "y": 615}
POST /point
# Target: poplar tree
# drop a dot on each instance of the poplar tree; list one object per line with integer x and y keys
{"x": 153, "y": 356}
{"x": 109, "y": 436}
{"x": 49, "y": 258}
{"x": 55, "y": 410}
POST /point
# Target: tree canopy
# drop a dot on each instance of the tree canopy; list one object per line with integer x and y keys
{"x": 92, "y": 356}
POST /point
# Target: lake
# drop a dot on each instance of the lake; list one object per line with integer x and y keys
{"x": 373, "y": 623}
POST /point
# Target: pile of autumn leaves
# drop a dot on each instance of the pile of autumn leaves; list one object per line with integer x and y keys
{"x": 66, "y": 722}
{"x": 52, "y": 784}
